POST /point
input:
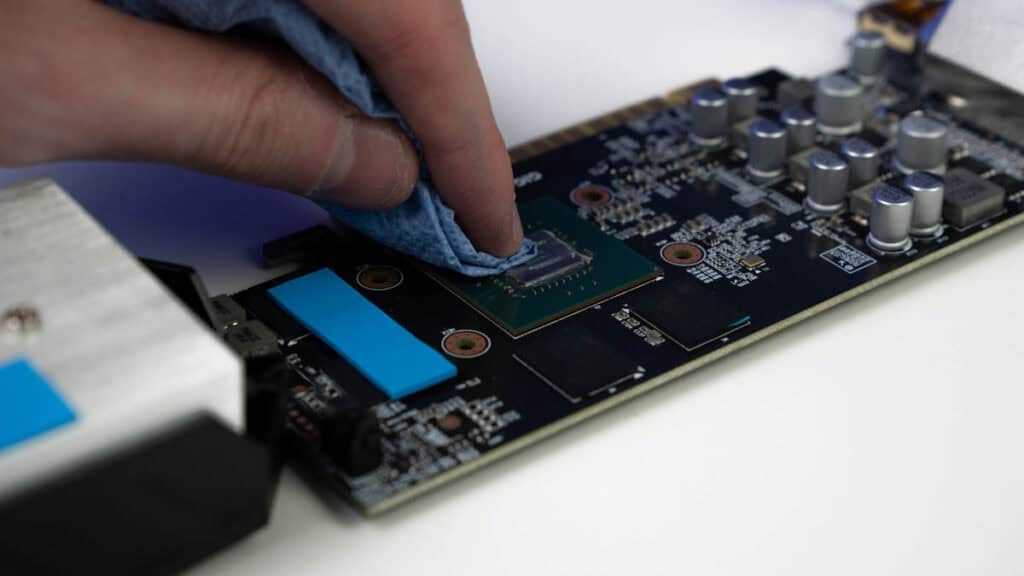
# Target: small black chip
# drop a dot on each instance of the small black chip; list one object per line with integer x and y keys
{"x": 974, "y": 165}
{"x": 252, "y": 339}
{"x": 688, "y": 313}
{"x": 1008, "y": 183}
{"x": 573, "y": 361}
{"x": 309, "y": 246}
{"x": 794, "y": 93}
{"x": 970, "y": 199}
{"x": 227, "y": 312}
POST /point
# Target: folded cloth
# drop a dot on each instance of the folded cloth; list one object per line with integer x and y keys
{"x": 422, "y": 226}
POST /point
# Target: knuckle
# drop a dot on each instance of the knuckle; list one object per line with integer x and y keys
{"x": 483, "y": 146}
{"x": 400, "y": 191}
{"x": 250, "y": 136}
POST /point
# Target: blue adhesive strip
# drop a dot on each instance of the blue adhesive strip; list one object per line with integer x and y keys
{"x": 389, "y": 356}
{"x": 29, "y": 406}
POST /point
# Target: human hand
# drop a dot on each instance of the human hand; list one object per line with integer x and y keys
{"x": 79, "y": 80}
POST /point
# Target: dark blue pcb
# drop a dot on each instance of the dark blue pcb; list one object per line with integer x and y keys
{"x": 739, "y": 259}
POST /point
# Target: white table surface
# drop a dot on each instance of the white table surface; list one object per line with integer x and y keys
{"x": 883, "y": 437}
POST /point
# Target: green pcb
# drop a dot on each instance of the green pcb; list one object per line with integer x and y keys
{"x": 596, "y": 267}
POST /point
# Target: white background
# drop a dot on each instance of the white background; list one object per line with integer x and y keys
{"x": 883, "y": 437}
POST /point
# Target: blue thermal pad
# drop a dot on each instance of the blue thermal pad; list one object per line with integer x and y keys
{"x": 385, "y": 353}
{"x": 29, "y": 406}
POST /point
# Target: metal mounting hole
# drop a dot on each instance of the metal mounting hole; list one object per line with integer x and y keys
{"x": 466, "y": 343}
{"x": 379, "y": 278}
{"x": 682, "y": 253}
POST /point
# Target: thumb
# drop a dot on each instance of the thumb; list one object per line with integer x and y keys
{"x": 122, "y": 88}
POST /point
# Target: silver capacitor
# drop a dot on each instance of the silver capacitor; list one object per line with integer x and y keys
{"x": 928, "y": 191}
{"x": 827, "y": 182}
{"x": 921, "y": 145}
{"x": 839, "y": 105}
{"x": 801, "y": 129}
{"x": 868, "y": 56}
{"x": 766, "y": 150}
{"x": 709, "y": 117}
{"x": 743, "y": 98}
{"x": 892, "y": 211}
{"x": 864, "y": 159}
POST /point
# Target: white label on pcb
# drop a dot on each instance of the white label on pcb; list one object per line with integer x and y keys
{"x": 848, "y": 259}
{"x": 528, "y": 178}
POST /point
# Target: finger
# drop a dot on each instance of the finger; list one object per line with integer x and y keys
{"x": 420, "y": 51}
{"x": 120, "y": 87}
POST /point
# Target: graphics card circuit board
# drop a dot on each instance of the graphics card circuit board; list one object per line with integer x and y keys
{"x": 670, "y": 235}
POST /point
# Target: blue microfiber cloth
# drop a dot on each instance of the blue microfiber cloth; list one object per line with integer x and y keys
{"x": 422, "y": 226}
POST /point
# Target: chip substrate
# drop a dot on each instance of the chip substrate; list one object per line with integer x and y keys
{"x": 577, "y": 265}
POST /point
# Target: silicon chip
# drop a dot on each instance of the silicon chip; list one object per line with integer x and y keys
{"x": 689, "y": 314}
{"x": 554, "y": 259}
{"x": 579, "y": 266}
{"x": 388, "y": 355}
{"x": 970, "y": 199}
{"x": 574, "y": 361}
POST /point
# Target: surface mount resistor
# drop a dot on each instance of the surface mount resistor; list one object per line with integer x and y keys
{"x": 656, "y": 224}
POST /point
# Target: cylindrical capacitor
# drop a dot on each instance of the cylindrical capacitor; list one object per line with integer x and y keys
{"x": 743, "y": 97}
{"x": 921, "y": 145}
{"x": 892, "y": 211}
{"x": 864, "y": 159}
{"x": 839, "y": 105}
{"x": 827, "y": 181}
{"x": 868, "y": 58}
{"x": 801, "y": 129}
{"x": 928, "y": 191}
{"x": 766, "y": 152}
{"x": 709, "y": 117}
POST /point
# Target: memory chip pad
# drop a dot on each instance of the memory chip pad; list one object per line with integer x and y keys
{"x": 387, "y": 354}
